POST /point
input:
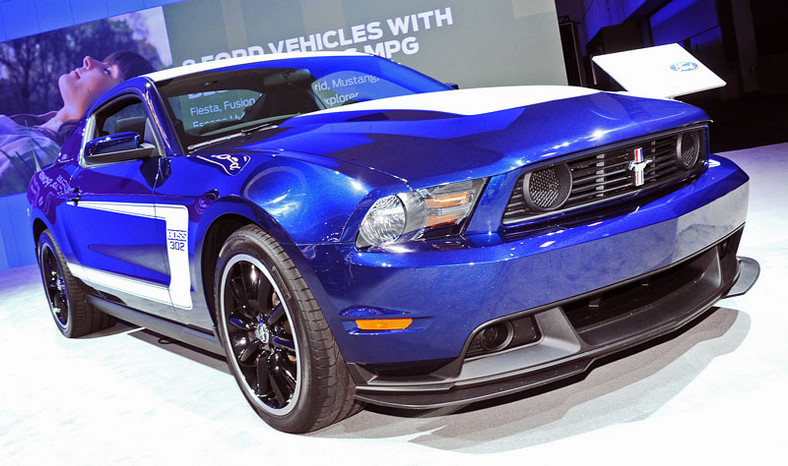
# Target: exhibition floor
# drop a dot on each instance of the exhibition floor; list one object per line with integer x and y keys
{"x": 714, "y": 393}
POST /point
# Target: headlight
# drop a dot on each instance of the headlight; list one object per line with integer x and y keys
{"x": 385, "y": 221}
{"x": 422, "y": 214}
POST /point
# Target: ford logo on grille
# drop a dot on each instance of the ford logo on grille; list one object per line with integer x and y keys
{"x": 638, "y": 166}
{"x": 684, "y": 66}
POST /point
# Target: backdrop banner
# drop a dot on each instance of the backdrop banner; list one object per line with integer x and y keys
{"x": 47, "y": 82}
{"x": 44, "y": 90}
{"x": 469, "y": 42}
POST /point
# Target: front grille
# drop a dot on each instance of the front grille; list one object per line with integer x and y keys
{"x": 599, "y": 176}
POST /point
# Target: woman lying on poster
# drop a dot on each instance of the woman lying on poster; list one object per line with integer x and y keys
{"x": 28, "y": 142}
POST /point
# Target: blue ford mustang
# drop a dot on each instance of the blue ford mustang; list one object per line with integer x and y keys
{"x": 347, "y": 230}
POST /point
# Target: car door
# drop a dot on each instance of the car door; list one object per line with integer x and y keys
{"x": 118, "y": 235}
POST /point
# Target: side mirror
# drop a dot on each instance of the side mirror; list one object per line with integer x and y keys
{"x": 117, "y": 147}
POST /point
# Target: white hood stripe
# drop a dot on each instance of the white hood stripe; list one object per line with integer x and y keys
{"x": 469, "y": 101}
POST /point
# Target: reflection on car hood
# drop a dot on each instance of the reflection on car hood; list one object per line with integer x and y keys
{"x": 443, "y": 136}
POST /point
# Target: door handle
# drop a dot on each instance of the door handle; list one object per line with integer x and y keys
{"x": 75, "y": 196}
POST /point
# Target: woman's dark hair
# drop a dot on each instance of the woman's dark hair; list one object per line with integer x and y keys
{"x": 130, "y": 64}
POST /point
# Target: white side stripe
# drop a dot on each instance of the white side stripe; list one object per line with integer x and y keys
{"x": 176, "y": 219}
{"x": 128, "y": 285}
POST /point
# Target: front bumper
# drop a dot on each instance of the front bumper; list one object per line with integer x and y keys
{"x": 451, "y": 290}
{"x": 566, "y": 348}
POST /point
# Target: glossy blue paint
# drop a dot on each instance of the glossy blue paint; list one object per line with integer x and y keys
{"x": 458, "y": 289}
{"x": 310, "y": 181}
{"x": 430, "y": 151}
{"x": 111, "y": 241}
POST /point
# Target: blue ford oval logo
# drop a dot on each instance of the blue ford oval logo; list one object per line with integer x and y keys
{"x": 684, "y": 66}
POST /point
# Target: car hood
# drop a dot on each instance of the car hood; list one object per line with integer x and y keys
{"x": 439, "y": 137}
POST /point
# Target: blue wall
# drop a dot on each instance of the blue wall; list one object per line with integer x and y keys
{"x": 681, "y": 20}
{"x": 16, "y": 234}
{"x": 20, "y": 18}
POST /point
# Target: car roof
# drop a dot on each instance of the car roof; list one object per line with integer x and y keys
{"x": 186, "y": 70}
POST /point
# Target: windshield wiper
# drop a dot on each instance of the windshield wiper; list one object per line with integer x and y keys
{"x": 259, "y": 127}
{"x": 270, "y": 124}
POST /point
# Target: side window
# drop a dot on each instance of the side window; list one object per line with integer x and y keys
{"x": 124, "y": 115}
{"x": 127, "y": 118}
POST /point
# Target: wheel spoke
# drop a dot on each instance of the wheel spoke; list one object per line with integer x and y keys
{"x": 249, "y": 279}
{"x": 262, "y": 288}
{"x": 262, "y": 375}
{"x": 49, "y": 262}
{"x": 284, "y": 343}
{"x": 288, "y": 370}
{"x": 278, "y": 386}
{"x": 62, "y": 298}
{"x": 239, "y": 294}
{"x": 237, "y": 289}
{"x": 241, "y": 322}
{"x": 251, "y": 349}
{"x": 57, "y": 303}
{"x": 276, "y": 315}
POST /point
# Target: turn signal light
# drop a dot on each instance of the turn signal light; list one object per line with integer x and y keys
{"x": 383, "y": 324}
{"x": 449, "y": 200}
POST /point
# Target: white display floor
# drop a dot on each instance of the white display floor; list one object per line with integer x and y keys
{"x": 717, "y": 393}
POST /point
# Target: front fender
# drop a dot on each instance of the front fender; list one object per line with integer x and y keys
{"x": 298, "y": 202}
{"x": 313, "y": 202}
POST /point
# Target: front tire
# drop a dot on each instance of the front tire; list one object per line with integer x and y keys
{"x": 67, "y": 301}
{"x": 278, "y": 344}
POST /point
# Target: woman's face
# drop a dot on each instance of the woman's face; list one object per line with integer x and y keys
{"x": 82, "y": 86}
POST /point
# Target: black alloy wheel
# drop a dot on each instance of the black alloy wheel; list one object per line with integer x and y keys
{"x": 278, "y": 344}
{"x": 54, "y": 285}
{"x": 67, "y": 299}
{"x": 260, "y": 334}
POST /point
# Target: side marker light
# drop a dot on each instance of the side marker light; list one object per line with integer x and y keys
{"x": 383, "y": 324}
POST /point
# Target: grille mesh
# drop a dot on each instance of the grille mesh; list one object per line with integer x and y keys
{"x": 544, "y": 187}
{"x": 688, "y": 150}
{"x": 602, "y": 175}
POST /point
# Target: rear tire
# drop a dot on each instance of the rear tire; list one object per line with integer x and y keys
{"x": 278, "y": 344}
{"x": 67, "y": 300}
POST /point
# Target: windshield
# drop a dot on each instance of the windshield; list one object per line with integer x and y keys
{"x": 215, "y": 105}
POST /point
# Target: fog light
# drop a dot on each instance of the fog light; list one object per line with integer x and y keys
{"x": 688, "y": 149}
{"x": 547, "y": 189}
{"x": 504, "y": 335}
{"x": 496, "y": 337}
